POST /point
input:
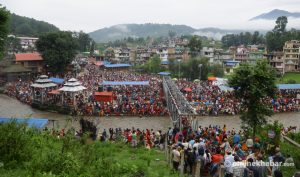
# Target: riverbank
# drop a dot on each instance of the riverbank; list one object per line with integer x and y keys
{"x": 11, "y": 107}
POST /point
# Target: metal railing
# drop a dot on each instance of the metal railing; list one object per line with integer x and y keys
{"x": 181, "y": 111}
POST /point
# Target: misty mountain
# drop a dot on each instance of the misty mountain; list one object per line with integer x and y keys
{"x": 154, "y": 30}
{"x": 274, "y": 14}
{"x": 24, "y": 26}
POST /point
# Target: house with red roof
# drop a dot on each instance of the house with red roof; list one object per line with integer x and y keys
{"x": 32, "y": 61}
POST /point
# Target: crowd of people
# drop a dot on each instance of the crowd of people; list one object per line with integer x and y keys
{"x": 20, "y": 90}
{"x": 209, "y": 99}
{"x": 214, "y": 146}
{"x": 141, "y": 100}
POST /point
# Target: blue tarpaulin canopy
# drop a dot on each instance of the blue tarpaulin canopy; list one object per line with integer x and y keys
{"x": 165, "y": 62}
{"x": 57, "y": 80}
{"x": 31, "y": 122}
{"x": 117, "y": 65}
{"x": 125, "y": 83}
{"x": 164, "y": 73}
{"x": 288, "y": 86}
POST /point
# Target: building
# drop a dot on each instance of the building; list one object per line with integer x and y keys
{"x": 28, "y": 43}
{"x": 162, "y": 52}
{"x": 291, "y": 55}
{"x": 220, "y": 56}
{"x": 208, "y": 52}
{"x": 242, "y": 54}
{"x": 276, "y": 61}
{"x": 230, "y": 66}
{"x": 32, "y": 61}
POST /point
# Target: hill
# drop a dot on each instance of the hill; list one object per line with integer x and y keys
{"x": 274, "y": 14}
{"x": 138, "y": 30}
{"x": 24, "y": 26}
{"x": 155, "y": 30}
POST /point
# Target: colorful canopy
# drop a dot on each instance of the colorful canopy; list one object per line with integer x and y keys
{"x": 57, "y": 80}
{"x": 120, "y": 65}
{"x": 212, "y": 78}
{"x": 188, "y": 89}
{"x": 164, "y": 73}
{"x": 31, "y": 122}
{"x": 125, "y": 83}
{"x": 288, "y": 86}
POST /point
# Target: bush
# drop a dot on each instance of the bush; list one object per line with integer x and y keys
{"x": 14, "y": 144}
{"x": 291, "y": 81}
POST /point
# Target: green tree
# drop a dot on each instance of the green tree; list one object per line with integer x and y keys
{"x": 195, "y": 45}
{"x": 153, "y": 65}
{"x": 171, "y": 34}
{"x": 84, "y": 41}
{"x": 58, "y": 50}
{"x": 278, "y": 36}
{"x": 217, "y": 70}
{"x": 281, "y": 23}
{"x": 252, "y": 85}
{"x": 191, "y": 68}
{"x": 4, "y": 18}
{"x": 13, "y": 44}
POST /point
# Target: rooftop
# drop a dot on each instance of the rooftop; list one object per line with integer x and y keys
{"x": 28, "y": 57}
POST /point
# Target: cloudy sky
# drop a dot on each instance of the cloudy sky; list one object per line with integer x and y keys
{"x": 90, "y": 15}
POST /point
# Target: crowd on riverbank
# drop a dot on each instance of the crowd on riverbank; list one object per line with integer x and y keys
{"x": 213, "y": 146}
{"x": 209, "y": 99}
{"x": 140, "y": 100}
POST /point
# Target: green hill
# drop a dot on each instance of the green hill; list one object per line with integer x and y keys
{"x": 138, "y": 30}
{"x": 24, "y": 26}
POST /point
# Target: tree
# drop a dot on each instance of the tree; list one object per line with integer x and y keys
{"x": 153, "y": 65}
{"x": 84, "y": 41}
{"x": 191, "y": 69}
{"x": 217, "y": 70}
{"x": 195, "y": 45}
{"x": 281, "y": 23}
{"x": 278, "y": 36}
{"x": 4, "y": 18}
{"x": 253, "y": 85}
{"x": 171, "y": 34}
{"x": 13, "y": 44}
{"x": 58, "y": 50}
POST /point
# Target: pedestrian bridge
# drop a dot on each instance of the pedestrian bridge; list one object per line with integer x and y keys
{"x": 181, "y": 111}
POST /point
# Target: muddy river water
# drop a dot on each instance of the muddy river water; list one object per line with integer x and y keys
{"x": 10, "y": 107}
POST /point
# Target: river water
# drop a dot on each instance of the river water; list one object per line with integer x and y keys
{"x": 10, "y": 107}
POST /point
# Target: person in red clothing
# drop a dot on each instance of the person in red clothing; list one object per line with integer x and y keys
{"x": 218, "y": 157}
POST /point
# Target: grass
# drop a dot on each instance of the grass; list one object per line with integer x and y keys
{"x": 289, "y": 76}
{"x": 37, "y": 153}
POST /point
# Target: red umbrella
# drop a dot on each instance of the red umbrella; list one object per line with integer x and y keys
{"x": 187, "y": 89}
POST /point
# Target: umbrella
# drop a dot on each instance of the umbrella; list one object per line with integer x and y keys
{"x": 196, "y": 80}
{"x": 174, "y": 79}
{"x": 212, "y": 78}
{"x": 187, "y": 89}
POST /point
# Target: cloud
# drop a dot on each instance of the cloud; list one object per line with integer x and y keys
{"x": 94, "y": 14}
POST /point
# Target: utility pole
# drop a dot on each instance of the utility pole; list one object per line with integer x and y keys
{"x": 200, "y": 66}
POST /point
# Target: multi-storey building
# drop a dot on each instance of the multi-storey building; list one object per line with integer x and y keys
{"x": 276, "y": 61}
{"x": 291, "y": 55}
{"x": 28, "y": 42}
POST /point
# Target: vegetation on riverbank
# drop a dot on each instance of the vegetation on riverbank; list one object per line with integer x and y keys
{"x": 289, "y": 78}
{"x": 31, "y": 152}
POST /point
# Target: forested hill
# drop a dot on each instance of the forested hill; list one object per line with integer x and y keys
{"x": 24, "y": 26}
{"x": 138, "y": 30}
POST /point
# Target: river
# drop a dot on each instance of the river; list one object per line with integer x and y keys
{"x": 11, "y": 107}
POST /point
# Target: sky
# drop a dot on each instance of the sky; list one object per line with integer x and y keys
{"x": 90, "y": 15}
